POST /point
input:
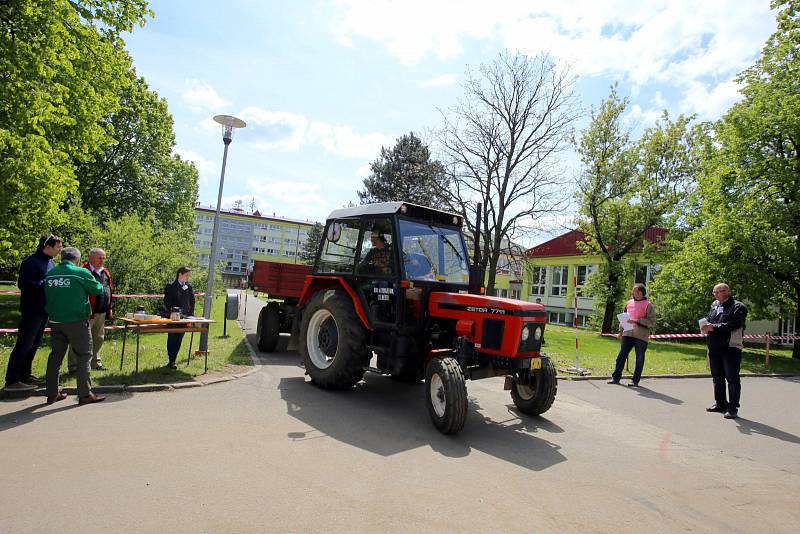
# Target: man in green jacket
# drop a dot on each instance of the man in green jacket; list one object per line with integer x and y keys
{"x": 66, "y": 289}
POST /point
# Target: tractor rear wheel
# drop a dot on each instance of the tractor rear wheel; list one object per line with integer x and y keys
{"x": 332, "y": 341}
{"x": 538, "y": 396}
{"x": 446, "y": 394}
{"x": 268, "y": 330}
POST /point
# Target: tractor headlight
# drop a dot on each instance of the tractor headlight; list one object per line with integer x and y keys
{"x": 525, "y": 333}
{"x": 537, "y": 333}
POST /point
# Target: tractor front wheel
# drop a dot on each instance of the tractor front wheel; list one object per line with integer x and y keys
{"x": 538, "y": 395}
{"x": 446, "y": 394}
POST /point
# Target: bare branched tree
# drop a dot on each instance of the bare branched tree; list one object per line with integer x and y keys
{"x": 500, "y": 147}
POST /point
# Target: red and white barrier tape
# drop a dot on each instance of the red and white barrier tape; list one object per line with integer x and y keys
{"x": 747, "y": 336}
{"x": 115, "y": 295}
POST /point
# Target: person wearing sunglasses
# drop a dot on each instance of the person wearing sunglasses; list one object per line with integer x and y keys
{"x": 33, "y": 316}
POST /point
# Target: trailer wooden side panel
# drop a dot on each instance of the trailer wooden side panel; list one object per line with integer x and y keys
{"x": 279, "y": 280}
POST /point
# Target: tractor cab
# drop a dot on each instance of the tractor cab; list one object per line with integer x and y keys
{"x": 389, "y": 293}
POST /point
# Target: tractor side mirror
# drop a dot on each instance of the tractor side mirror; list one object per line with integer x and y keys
{"x": 334, "y": 232}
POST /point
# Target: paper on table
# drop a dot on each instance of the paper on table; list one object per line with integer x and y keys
{"x": 625, "y": 321}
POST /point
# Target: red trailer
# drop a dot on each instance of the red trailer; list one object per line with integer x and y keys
{"x": 283, "y": 284}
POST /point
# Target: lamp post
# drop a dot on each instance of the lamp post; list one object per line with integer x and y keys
{"x": 229, "y": 124}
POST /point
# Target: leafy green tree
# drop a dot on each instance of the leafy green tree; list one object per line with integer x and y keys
{"x": 61, "y": 66}
{"x": 142, "y": 256}
{"x": 404, "y": 173}
{"x": 135, "y": 172}
{"x": 627, "y": 188}
{"x": 748, "y": 220}
{"x": 308, "y": 252}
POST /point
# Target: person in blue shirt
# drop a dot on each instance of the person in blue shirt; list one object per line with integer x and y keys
{"x": 33, "y": 316}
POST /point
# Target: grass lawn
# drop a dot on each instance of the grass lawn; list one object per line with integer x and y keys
{"x": 663, "y": 357}
{"x": 226, "y": 354}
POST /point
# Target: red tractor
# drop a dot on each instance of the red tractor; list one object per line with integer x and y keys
{"x": 389, "y": 293}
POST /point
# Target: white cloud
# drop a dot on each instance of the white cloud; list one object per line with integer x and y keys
{"x": 676, "y": 42}
{"x": 363, "y": 171}
{"x": 283, "y": 197}
{"x": 205, "y": 167}
{"x": 709, "y": 103}
{"x": 444, "y": 79}
{"x": 642, "y": 117}
{"x": 286, "y": 131}
{"x": 200, "y": 96}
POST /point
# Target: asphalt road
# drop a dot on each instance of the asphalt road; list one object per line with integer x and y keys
{"x": 272, "y": 453}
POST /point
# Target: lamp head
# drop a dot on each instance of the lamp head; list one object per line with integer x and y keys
{"x": 229, "y": 124}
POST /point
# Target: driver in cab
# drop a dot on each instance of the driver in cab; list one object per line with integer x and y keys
{"x": 378, "y": 259}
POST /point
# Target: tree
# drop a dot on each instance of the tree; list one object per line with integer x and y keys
{"x": 308, "y": 252}
{"x": 627, "y": 188}
{"x": 747, "y": 228}
{"x": 404, "y": 173}
{"x": 500, "y": 147}
{"x": 61, "y": 64}
{"x": 135, "y": 172}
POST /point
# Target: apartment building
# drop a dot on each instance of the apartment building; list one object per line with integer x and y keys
{"x": 246, "y": 237}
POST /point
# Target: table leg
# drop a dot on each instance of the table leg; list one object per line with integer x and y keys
{"x": 189, "y": 354}
{"x": 124, "y": 338}
{"x": 138, "y": 336}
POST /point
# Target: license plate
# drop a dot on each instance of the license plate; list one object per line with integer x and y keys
{"x": 536, "y": 363}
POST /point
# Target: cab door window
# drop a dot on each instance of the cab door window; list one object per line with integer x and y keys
{"x": 339, "y": 247}
{"x": 377, "y": 256}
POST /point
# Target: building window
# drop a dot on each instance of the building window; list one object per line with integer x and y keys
{"x": 557, "y": 318}
{"x": 538, "y": 280}
{"x": 645, "y": 273}
{"x": 582, "y": 273}
{"x": 514, "y": 293}
{"x": 559, "y": 287}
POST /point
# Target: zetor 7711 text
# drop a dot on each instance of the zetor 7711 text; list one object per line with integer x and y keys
{"x": 392, "y": 292}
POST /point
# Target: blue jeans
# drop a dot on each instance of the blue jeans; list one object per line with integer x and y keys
{"x": 626, "y": 344}
{"x": 29, "y": 337}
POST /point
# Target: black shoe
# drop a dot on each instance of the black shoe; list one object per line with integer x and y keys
{"x": 34, "y": 380}
{"x": 171, "y": 365}
{"x": 99, "y": 367}
{"x": 717, "y": 409}
{"x": 612, "y": 381}
{"x": 633, "y": 385}
{"x": 731, "y": 414}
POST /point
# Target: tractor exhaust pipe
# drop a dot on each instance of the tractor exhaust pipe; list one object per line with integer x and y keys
{"x": 475, "y": 271}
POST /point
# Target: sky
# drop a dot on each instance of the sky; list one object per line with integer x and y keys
{"x": 323, "y": 85}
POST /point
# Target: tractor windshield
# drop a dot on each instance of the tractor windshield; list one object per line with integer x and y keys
{"x": 433, "y": 253}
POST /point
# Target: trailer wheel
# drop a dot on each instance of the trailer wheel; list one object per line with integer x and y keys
{"x": 446, "y": 394}
{"x": 538, "y": 396}
{"x": 268, "y": 330}
{"x": 332, "y": 341}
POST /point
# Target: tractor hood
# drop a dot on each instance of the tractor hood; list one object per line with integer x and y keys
{"x": 496, "y": 326}
{"x": 442, "y": 304}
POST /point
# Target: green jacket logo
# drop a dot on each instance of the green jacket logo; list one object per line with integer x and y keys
{"x": 58, "y": 282}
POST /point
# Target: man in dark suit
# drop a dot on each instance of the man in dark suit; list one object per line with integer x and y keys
{"x": 178, "y": 294}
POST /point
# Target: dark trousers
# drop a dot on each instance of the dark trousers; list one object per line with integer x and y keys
{"x": 29, "y": 337}
{"x": 625, "y": 345}
{"x": 174, "y": 340}
{"x": 725, "y": 365}
{"x": 62, "y": 336}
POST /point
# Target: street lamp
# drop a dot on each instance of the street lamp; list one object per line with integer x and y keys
{"x": 229, "y": 124}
